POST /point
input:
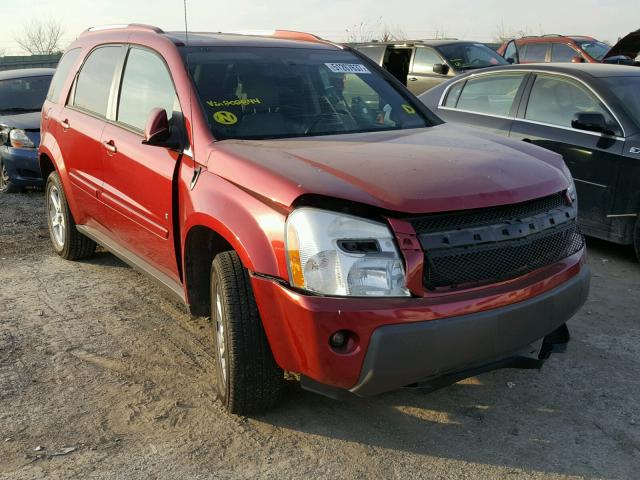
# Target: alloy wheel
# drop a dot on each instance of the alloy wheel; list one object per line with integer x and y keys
{"x": 56, "y": 217}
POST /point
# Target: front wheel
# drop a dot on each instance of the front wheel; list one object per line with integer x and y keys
{"x": 67, "y": 241}
{"x": 248, "y": 380}
{"x": 6, "y": 185}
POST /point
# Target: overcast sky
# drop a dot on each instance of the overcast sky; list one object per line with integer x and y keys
{"x": 465, "y": 19}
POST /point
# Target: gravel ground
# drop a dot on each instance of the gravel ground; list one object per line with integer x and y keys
{"x": 103, "y": 377}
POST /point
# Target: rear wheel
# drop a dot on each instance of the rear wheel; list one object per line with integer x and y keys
{"x": 67, "y": 241}
{"x": 6, "y": 185}
{"x": 248, "y": 380}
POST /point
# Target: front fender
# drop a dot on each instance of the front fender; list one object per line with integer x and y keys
{"x": 254, "y": 229}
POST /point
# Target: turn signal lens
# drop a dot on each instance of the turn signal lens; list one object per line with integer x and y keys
{"x": 295, "y": 265}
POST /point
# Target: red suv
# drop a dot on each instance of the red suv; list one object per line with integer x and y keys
{"x": 328, "y": 222}
{"x": 554, "y": 48}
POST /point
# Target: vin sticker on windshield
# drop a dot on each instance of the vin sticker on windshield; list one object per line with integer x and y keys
{"x": 347, "y": 68}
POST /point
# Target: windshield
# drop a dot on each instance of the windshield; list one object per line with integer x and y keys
{"x": 626, "y": 91}
{"x": 596, "y": 50}
{"x": 469, "y": 56}
{"x": 255, "y": 93}
{"x": 25, "y": 94}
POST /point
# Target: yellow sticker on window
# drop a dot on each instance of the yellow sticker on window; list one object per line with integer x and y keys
{"x": 225, "y": 118}
{"x": 409, "y": 109}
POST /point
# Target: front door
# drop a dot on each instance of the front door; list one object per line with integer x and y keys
{"x": 138, "y": 179}
{"x": 422, "y": 76}
{"x": 592, "y": 158}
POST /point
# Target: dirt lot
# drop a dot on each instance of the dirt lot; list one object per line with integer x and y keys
{"x": 94, "y": 358}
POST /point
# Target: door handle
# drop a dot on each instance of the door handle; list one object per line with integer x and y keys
{"x": 64, "y": 124}
{"x": 413, "y": 79}
{"x": 110, "y": 146}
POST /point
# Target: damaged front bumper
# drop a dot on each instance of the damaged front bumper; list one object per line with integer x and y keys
{"x": 434, "y": 354}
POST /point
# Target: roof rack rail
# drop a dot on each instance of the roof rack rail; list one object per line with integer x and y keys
{"x": 125, "y": 26}
{"x": 543, "y": 36}
{"x": 286, "y": 35}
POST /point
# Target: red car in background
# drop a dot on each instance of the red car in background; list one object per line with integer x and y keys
{"x": 554, "y": 48}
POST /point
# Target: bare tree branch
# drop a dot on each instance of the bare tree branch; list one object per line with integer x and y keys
{"x": 503, "y": 34}
{"x": 40, "y": 37}
{"x": 379, "y": 31}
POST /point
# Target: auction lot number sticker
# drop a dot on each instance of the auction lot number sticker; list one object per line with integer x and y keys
{"x": 347, "y": 68}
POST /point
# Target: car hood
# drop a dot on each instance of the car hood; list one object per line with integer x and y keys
{"x": 434, "y": 169}
{"x": 629, "y": 46}
{"x": 26, "y": 121}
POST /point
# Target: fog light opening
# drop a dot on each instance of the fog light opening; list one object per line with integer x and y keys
{"x": 343, "y": 341}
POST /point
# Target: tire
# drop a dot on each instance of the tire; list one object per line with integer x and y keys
{"x": 247, "y": 378}
{"x": 67, "y": 241}
{"x": 6, "y": 186}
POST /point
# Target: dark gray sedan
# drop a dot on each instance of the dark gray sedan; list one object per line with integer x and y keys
{"x": 589, "y": 113}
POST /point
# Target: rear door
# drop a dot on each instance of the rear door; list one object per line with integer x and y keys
{"x": 138, "y": 178}
{"x": 80, "y": 126}
{"x": 535, "y": 52}
{"x": 421, "y": 76}
{"x": 487, "y": 101}
{"x": 594, "y": 159}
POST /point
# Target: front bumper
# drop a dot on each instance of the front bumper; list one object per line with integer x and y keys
{"x": 22, "y": 165}
{"x": 400, "y": 355}
{"x": 402, "y": 341}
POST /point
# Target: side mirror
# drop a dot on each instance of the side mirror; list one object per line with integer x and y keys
{"x": 156, "y": 131}
{"x": 511, "y": 60}
{"x": 440, "y": 69}
{"x": 577, "y": 59}
{"x": 590, "y": 122}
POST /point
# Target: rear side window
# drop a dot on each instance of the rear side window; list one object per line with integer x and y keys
{"x": 562, "y": 53}
{"x": 62, "y": 72}
{"x": 94, "y": 81}
{"x": 556, "y": 100}
{"x": 535, "y": 52}
{"x": 146, "y": 84}
{"x": 491, "y": 95}
{"x": 454, "y": 95}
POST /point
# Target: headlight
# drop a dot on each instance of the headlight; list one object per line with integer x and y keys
{"x": 19, "y": 139}
{"x": 572, "y": 194}
{"x": 335, "y": 254}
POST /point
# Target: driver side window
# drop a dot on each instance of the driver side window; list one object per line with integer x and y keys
{"x": 146, "y": 84}
{"x": 425, "y": 59}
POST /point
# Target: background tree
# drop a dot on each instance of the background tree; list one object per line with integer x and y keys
{"x": 503, "y": 34}
{"x": 41, "y": 37}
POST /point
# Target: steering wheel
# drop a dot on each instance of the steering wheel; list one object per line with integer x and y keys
{"x": 322, "y": 116}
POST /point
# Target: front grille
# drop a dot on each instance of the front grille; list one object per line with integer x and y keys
{"x": 476, "y": 247}
{"x": 486, "y": 216}
{"x": 500, "y": 261}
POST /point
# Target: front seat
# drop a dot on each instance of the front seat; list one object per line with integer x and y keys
{"x": 264, "y": 118}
